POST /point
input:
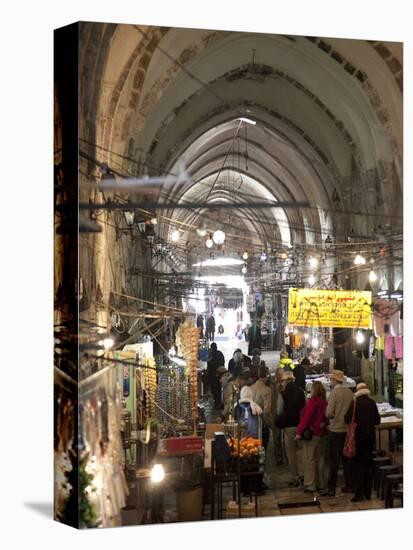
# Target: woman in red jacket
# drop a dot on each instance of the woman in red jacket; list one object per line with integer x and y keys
{"x": 313, "y": 418}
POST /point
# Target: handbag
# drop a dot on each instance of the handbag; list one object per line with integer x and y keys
{"x": 307, "y": 434}
{"x": 349, "y": 449}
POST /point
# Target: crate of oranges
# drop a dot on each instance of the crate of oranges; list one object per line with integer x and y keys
{"x": 248, "y": 449}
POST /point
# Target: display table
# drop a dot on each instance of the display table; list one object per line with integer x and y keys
{"x": 214, "y": 483}
{"x": 387, "y": 424}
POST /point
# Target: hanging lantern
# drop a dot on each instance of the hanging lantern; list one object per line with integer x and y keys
{"x": 218, "y": 237}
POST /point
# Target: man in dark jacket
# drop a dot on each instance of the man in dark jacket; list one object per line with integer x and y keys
{"x": 200, "y": 325}
{"x": 238, "y": 363}
{"x": 216, "y": 359}
{"x": 288, "y": 420}
{"x": 299, "y": 373}
{"x": 254, "y": 338}
{"x": 366, "y": 417}
{"x": 210, "y": 328}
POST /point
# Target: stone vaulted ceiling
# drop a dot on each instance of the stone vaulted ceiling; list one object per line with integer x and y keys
{"x": 328, "y": 131}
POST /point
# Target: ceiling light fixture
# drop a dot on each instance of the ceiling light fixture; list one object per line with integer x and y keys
{"x": 313, "y": 262}
{"x": 218, "y": 237}
{"x": 359, "y": 259}
{"x": 175, "y": 235}
{"x": 372, "y": 276}
{"x": 244, "y": 269}
{"x": 218, "y": 262}
{"x": 245, "y": 255}
{"x": 209, "y": 243}
{"x": 359, "y": 337}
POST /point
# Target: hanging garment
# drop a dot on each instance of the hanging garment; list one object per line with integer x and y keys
{"x": 398, "y": 344}
{"x": 395, "y": 324}
{"x": 380, "y": 343}
{"x": 389, "y": 347}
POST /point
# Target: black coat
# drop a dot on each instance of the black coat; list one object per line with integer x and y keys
{"x": 254, "y": 338}
{"x": 294, "y": 402}
{"x": 299, "y": 375}
{"x": 210, "y": 324}
{"x": 366, "y": 417}
{"x": 246, "y": 364}
{"x": 216, "y": 359}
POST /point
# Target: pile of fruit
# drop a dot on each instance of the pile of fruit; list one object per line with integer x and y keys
{"x": 248, "y": 447}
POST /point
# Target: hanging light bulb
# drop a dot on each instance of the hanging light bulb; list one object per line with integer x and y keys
{"x": 157, "y": 473}
{"x": 175, "y": 235}
{"x": 313, "y": 262}
{"x": 284, "y": 255}
{"x": 201, "y": 231}
{"x": 372, "y": 276}
{"x": 209, "y": 243}
{"x": 154, "y": 221}
{"x": 245, "y": 256}
{"x": 218, "y": 237}
{"x": 314, "y": 343}
{"x": 359, "y": 259}
{"x": 311, "y": 280}
{"x": 359, "y": 337}
{"x": 244, "y": 269}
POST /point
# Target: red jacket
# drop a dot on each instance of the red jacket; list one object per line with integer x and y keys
{"x": 314, "y": 416}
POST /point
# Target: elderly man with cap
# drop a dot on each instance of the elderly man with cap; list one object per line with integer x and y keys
{"x": 286, "y": 362}
{"x": 338, "y": 404}
{"x": 288, "y": 420}
{"x": 366, "y": 417}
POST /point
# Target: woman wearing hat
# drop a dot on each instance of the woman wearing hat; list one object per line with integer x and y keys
{"x": 366, "y": 417}
{"x": 338, "y": 404}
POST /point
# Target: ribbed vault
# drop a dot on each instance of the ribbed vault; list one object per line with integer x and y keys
{"x": 327, "y": 126}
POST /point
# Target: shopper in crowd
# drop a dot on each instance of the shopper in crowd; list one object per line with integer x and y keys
{"x": 261, "y": 394}
{"x": 286, "y": 362}
{"x": 313, "y": 420}
{"x": 366, "y": 417}
{"x": 226, "y": 383}
{"x": 288, "y": 420}
{"x": 277, "y": 407}
{"x": 238, "y": 362}
{"x": 254, "y": 338}
{"x": 210, "y": 328}
{"x": 200, "y": 325}
{"x": 338, "y": 404}
{"x": 216, "y": 359}
{"x": 255, "y": 363}
{"x": 299, "y": 373}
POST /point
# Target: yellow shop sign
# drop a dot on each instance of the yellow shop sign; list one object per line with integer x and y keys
{"x": 329, "y": 308}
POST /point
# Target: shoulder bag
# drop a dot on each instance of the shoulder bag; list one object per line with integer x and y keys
{"x": 349, "y": 449}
